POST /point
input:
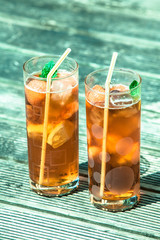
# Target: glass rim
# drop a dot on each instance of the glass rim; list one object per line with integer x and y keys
{"x": 50, "y": 56}
{"x": 115, "y": 69}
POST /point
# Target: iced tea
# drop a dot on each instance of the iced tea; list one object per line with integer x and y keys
{"x": 61, "y": 158}
{"x": 122, "y": 174}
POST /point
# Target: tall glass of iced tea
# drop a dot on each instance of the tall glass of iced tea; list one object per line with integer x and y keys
{"x": 121, "y": 189}
{"x": 60, "y": 175}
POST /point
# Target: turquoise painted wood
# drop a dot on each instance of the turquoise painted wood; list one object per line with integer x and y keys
{"x": 93, "y": 30}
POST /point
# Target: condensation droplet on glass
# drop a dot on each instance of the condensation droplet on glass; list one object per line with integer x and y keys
{"x": 124, "y": 146}
{"x": 108, "y": 157}
{"x": 97, "y": 131}
{"x": 97, "y": 177}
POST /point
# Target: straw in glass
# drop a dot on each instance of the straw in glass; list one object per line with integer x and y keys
{"x": 47, "y": 102}
{"x": 105, "y": 122}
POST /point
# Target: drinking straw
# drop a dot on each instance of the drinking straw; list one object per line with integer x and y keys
{"x": 47, "y": 102}
{"x": 105, "y": 121}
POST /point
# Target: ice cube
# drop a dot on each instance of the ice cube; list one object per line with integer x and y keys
{"x": 120, "y": 100}
{"x": 96, "y": 115}
{"x": 96, "y": 96}
{"x": 34, "y": 113}
{"x": 134, "y": 155}
{"x": 118, "y": 161}
{"x": 114, "y": 91}
{"x": 35, "y": 92}
{"x": 119, "y": 88}
{"x": 130, "y": 158}
{"x": 62, "y": 88}
{"x": 62, "y": 91}
{"x": 112, "y": 140}
{"x": 69, "y": 110}
{"x": 60, "y": 134}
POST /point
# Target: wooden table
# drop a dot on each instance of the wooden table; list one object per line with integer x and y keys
{"x": 93, "y": 30}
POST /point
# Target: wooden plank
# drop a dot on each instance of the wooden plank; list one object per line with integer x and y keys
{"x": 113, "y": 32}
{"x": 132, "y": 9}
{"x": 101, "y": 41}
{"x": 14, "y": 190}
{"x": 18, "y": 223}
{"x": 21, "y": 223}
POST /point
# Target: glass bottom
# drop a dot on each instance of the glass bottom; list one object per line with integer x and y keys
{"x": 54, "y": 191}
{"x": 114, "y": 206}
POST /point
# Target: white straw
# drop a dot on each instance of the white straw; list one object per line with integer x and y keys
{"x": 47, "y": 102}
{"x": 105, "y": 121}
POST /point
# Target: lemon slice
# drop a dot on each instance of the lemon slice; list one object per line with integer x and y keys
{"x": 37, "y": 129}
{"x": 60, "y": 134}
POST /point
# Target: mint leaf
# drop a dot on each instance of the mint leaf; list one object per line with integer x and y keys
{"x": 47, "y": 68}
{"x": 134, "y": 92}
{"x": 133, "y": 84}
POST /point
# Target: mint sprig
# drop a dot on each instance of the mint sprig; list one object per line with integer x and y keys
{"x": 47, "y": 68}
{"x": 134, "y": 92}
